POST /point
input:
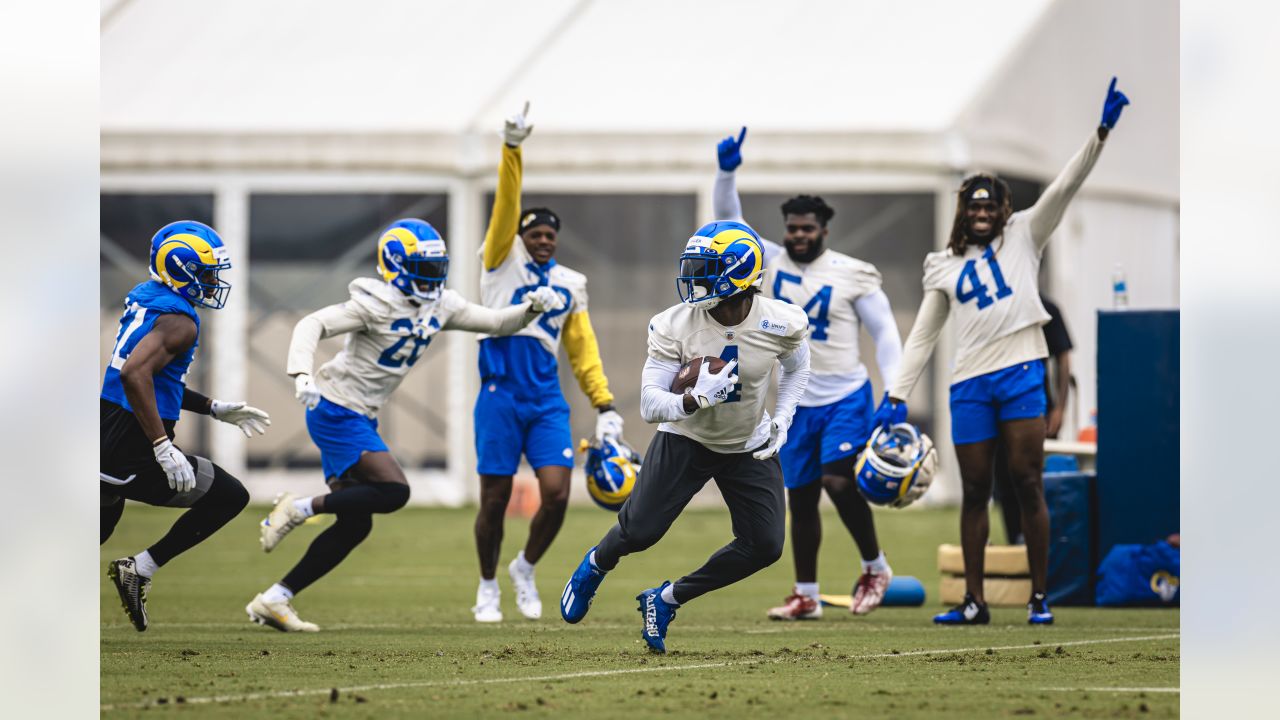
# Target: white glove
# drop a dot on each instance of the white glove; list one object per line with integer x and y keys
{"x": 249, "y": 419}
{"x": 544, "y": 299}
{"x": 304, "y": 388}
{"x": 176, "y": 466}
{"x": 714, "y": 388}
{"x": 516, "y": 128}
{"x": 777, "y": 438}
{"x": 609, "y": 423}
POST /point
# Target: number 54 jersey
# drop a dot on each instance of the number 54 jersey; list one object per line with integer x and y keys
{"x": 994, "y": 294}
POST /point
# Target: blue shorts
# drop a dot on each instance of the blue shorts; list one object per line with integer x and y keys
{"x": 979, "y": 404}
{"x": 507, "y": 426}
{"x": 824, "y": 434}
{"x": 342, "y": 436}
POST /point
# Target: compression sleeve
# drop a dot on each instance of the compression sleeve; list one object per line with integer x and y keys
{"x": 310, "y": 330}
{"x": 792, "y": 381}
{"x": 920, "y": 343}
{"x": 726, "y": 205}
{"x": 504, "y": 221}
{"x": 478, "y": 318}
{"x": 657, "y": 402}
{"x": 876, "y": 315}
{"x": 584, "y": 358}
{"x": 1045, "y": 215}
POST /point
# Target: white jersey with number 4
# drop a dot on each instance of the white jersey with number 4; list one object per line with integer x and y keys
{"x": 771, "y": 330}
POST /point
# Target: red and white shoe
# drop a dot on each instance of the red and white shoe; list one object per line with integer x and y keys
{"x": 797, "y": 607}
{"x": 869, "y": 591}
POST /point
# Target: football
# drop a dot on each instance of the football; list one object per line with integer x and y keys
{"x": 688, "y": 374}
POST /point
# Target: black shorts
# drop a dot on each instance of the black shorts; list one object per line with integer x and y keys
{"x": 127, "y": 466}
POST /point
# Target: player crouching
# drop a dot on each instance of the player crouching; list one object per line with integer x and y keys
{"x": 388, "y": 323}
{"x": 713, "y": 425}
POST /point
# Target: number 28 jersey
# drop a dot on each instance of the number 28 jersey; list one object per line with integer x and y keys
{"x": 995, "y": 300}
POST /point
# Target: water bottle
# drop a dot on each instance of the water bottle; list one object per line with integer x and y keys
{"x": 1119, "y": 289}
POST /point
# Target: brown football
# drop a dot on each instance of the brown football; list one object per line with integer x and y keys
{"x": 688, "y": 374}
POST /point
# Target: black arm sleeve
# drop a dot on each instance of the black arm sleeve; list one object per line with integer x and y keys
{"x": 193, "y": 401}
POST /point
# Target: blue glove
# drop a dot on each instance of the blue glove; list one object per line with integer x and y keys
{"x": 729, "y": 151}
{"x": 1116, "y": 101}
{"x": 889, "y": 413}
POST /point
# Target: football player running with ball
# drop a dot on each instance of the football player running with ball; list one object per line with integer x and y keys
{"x": 388, "y": 322}
{"x": 986, "y": 282}
{"x": 144, "y": 391}
{"x": 717, "y": 427}
{"x": 520, "y": 408}
{"x": 840, "y": 294}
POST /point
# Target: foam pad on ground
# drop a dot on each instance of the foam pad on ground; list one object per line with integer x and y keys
{"x": 1000, "y": 560}
{"x": 1000, "y": 592}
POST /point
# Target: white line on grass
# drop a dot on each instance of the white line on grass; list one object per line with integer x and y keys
{"x": 1116, "y": 689}
{"x": 601, "y": 673}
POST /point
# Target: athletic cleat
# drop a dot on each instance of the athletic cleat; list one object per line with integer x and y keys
{"x": 797, "y": 607}
{"x": 869, "y": 591}
{"x": 575, "y": 601}
{"x": 969, "y": 612}
{"x": 283, "y": 518}
{"x": 279, "y": 615}
{"x": 132, "y": 588}
{"x": 657, "y": 615}
{"x": 488, "y": 608}
{"x": 526, "y": 592}
{"x": 1038, "y": 612}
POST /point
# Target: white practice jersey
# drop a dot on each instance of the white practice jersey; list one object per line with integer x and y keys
{"x": 771, "y": 330}
{"x": 506, "y": 285}
{"x": 826, "y": 289}
{"x": 387, "y": 333}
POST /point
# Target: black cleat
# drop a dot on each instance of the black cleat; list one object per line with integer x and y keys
{"x": 132, "y": 588}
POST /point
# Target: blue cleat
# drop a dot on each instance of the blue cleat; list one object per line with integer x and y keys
{"x": 657, "y": 613}
{"x": 969, "y": 612}
{"x": 575, "y": 601}
{"x": 1038, "y": 612}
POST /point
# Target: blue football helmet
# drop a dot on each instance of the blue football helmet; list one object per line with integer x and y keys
{"x": 413, "y": 258}
{"x": 187, "y": 256}
{"x": 612, "y": 468}
{"x": 897, "y": 466}
{"x": 722, "y": 259}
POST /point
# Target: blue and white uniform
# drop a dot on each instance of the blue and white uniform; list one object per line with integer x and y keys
{"x": 142, "y": 306}
{"x": 840, "y": 294}
{"x": 991, "y": 293}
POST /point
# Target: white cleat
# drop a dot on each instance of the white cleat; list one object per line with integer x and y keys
{"x": 487, "y": 608}
{"x": 283, "y": 518}
{"x": 279, "y": 615}
{"x": 526, "y": 592}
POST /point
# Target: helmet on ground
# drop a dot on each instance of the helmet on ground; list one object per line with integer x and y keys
{"x": 612, "y": 468}
{"x": 187, "y": 256}
{"x": 722, "y": 259}
{"x": 897, "y": 466}
{"x": 413, "y": 258}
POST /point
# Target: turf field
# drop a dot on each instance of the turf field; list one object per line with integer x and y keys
{"x": 398, "y": 638}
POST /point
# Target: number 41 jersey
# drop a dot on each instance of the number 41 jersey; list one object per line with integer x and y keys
{"x": 994, "y": 294}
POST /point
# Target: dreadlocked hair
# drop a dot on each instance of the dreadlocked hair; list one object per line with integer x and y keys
{"x": 805, "y": 204}
{"x": 959, "y": 227}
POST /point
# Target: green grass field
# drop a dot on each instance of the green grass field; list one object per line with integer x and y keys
{"x": 398, "y": 638}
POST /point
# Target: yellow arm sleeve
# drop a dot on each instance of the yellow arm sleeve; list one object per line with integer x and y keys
{"x": 505, "y": 220}
{"x": 584, "y": 358}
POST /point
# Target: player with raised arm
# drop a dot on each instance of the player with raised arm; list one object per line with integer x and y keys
{"x": 388, "y": 322}
{"x": 143, "y": 392}
{"x": 986, "y": 280}
{"x": 520, "y": 408}
{"x": 840, "y": 294}
{"x": 713, "y": 424}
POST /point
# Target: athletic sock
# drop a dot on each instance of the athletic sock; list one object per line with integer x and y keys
{"x": 144, "y": 564}
{"x": 524, "y": 567}
{"x": 878, "y": 566}
{"x": 669, "y": 595}
{"x": 491, "y": 585}
{"x": 592, "y": 559}
{"x": 809, "y": 590}
{"x": 303, "y": 506}
{"x": 277, "y": 593}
